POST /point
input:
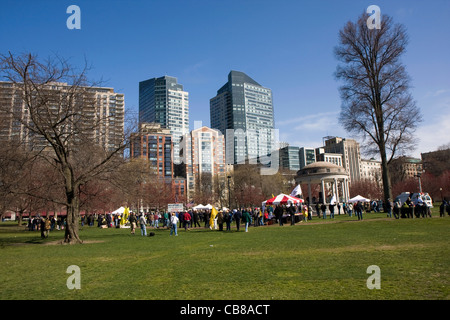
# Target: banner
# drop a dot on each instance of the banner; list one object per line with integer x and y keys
{"x": 125, "y": 215}
{"x": 213, "y": 216}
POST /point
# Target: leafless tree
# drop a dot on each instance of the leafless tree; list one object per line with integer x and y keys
{"x": 376, "y": 103}
{"x": 62, "y": 125}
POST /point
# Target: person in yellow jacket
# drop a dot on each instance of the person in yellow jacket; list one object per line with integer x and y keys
{"x": 305, "y": 212}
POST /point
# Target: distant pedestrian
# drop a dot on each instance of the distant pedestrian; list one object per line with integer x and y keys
{"x": 186, "y": 221}
{"x": 331, "y": 207}
{"x": 220, "y": 220}
{"x": 228, "y": 218}
{"x": 279, "y": 214}
{"x": 237, "y": 217}
{"x": 323, "y": 207}
{"x": 45, "y": 227}
{"x": 292, "y": 210}
{"x": 143, "y": 223}
{"x": 359, "y": 210}
{"x": 246, "y": 218}
{"x": 317, "y": 207}
{"x": 389, "y": 206}
{"x": 350, "y": 209}
{"x": 133, "y": 222}
{"x": 196, "y": 219}
{"x": 442, "y": 209}
{"x": 173, "y": 224}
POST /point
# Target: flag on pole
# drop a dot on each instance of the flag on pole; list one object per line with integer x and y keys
{"x": 297, "y": 191}
{"x": 213, "y": 216}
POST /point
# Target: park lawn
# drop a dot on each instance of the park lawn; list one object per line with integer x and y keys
{"x": 320, "y": 259}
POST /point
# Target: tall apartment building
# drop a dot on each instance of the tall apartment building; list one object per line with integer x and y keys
{"x": 163, "y": 100}
{"x": 203, "y": 152}
{"x": 351, "y": 156}
{"x": 243, "y": 111}
{"x": 101, "y": 115}
{"x": 155, "y": 144}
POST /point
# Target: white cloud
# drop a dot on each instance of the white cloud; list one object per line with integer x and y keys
{"x": 309, "y": 130}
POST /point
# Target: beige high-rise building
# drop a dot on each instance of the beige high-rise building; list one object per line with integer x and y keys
{"x": 102, "y": 117}
{"x": 203, "y": 154}
{"x": 371, "y": 170}
{"x": 351, "y": 156}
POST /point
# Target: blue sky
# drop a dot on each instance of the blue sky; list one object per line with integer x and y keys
{"x": 284, "y": 45}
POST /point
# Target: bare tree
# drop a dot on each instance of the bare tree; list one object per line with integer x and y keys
{"x": 63, "y": 125}
{"x": 376, "y": 103}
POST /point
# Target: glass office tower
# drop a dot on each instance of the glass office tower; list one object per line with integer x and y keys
{"x": 163, "y": 100}
{"x": 243, "y": 111}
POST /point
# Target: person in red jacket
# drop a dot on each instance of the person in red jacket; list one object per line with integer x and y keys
{"x": 187, "y": 220}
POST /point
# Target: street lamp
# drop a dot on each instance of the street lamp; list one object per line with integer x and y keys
{"x": 442, "y": 198}
{"x": 418, "y": 175}
{"x": 229, "y": 193}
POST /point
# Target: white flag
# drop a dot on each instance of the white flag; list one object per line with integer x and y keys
{"x": 333, "y": 199}
{"x": 297, "y": 191}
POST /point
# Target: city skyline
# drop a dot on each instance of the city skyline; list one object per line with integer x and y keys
{"x": 287, "y": 46}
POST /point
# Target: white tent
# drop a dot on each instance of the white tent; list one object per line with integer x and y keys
{"x": 119, "y": 211}
{"x": 202, "y": 207}
{"x": 359, "y": 198}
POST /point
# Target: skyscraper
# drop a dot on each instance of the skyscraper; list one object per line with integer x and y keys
{"x": 163, "y": 100}
{"x": 245, "y": 107}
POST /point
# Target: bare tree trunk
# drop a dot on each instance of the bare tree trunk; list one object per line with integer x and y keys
{"x": 72, "y": 222}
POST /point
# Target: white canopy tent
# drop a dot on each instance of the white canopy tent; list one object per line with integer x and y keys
{"x": 121, "y": 210}
{"x": 359, "y": 198}
{"x": 202, "y": 207}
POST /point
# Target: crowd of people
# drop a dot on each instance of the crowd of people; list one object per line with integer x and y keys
{"x": 45, "y": 224}
{"x": 224, "y": 219}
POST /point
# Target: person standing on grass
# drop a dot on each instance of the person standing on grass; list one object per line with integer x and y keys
{"x": 173, "y": 224}
{"x": 228, "y": 218}
{"x": 442, "y": 209}
{"x": 143, "y": 223}
{"x": 350, "y": 209}
{"x": 331, "y": 207}
{"x": 246, "y": 218}
{"x": 237, "y": 217}
{"x": 279, "y": 214}
{"x": 196, "y": 219}
{"x": 359, "y": 210}
{"x": 323, "y": 207}
{"x": 186, "y": 220}
{"x": 389, "y": 206}
{"x": 133, "y": 221}
{"x": 166, "y": 219}
{"x": 220, "y": 219}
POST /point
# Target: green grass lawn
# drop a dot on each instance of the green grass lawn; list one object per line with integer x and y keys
{"x": 314, "y": 260}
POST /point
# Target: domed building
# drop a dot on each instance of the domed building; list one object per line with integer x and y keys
{"x": 323, "y": 173}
